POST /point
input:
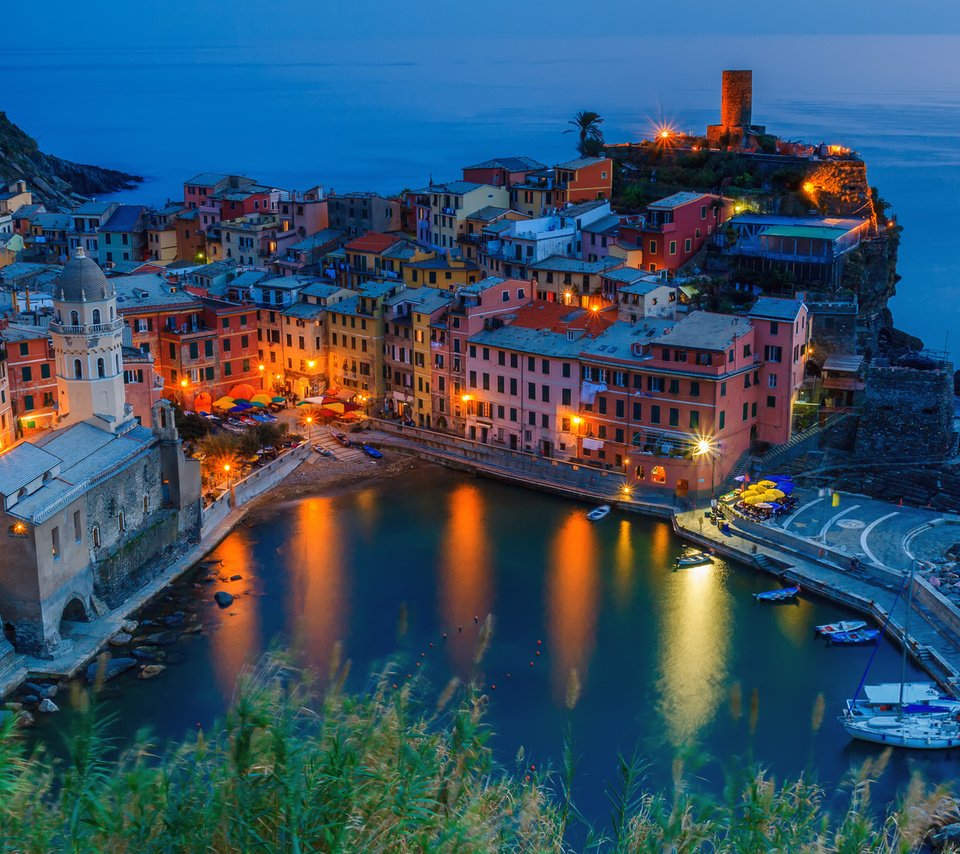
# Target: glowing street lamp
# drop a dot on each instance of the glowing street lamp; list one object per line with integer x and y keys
{"x": 704, "y": 446}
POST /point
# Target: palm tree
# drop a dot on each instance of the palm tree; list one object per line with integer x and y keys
{"x": 587, "y": 124}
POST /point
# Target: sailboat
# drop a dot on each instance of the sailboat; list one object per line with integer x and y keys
{"x": 906, "y": 726}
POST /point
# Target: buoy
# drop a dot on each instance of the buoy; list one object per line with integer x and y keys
{"x": 431, "y": 644}
{"x": 531, "y": 664}
{"x": 508, "y": 676}
{"x": 394, "y": 684}
{"x": 538, "y": 652}
{"x": 444, "y": 635}
{"x": 493, "y": 687}
{"x": 533, "y": 767}
{"x": 418, "y": 664}
{"x": 423, "y": 655}
{"x": 539, "y": 643}
{"x": 476, "y": 619}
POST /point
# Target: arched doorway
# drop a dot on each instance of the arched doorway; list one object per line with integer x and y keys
{"x": 75, "y": 611}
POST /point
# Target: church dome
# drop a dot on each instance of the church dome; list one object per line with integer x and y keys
{"x": 82, "y": 280}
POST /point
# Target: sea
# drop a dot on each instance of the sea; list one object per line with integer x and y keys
{"x": 385, "y": 115}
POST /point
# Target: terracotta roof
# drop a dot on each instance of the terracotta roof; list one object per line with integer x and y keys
{"x": 372, "y": 241}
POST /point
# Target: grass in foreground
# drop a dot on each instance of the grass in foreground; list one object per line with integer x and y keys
{"x": 296, "y": 769}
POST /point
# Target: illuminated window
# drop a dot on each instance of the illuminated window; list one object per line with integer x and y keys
{"x": 96, "y": 536}
{"x": 659, "y": 474}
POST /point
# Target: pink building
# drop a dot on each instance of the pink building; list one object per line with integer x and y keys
{"x": 523, "y": 380}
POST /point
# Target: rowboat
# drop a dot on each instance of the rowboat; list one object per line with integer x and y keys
{"x": 598, "y": 513}
{"x": 372, "y": 452}
{"x": 693, "y": 557}
{"x": 919, "y": 698}
{"x": 842, "y": 626}
{"x": 862, "y": 636}
{"x": 780, "y": 595}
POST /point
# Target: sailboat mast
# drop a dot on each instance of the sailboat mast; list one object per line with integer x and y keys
{"x": 906, "y": 638}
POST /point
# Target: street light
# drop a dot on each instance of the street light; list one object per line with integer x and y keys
{"x": 706, "y": 446}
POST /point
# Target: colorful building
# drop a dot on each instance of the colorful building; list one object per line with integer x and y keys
{"x": 501, "y": 171}
{"x": 30, "y": 373}
{"x": 441, "y": 210}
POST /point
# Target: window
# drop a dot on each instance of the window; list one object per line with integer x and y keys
{"x": 753, "y": 409}
{"x": 28, "y": 402}
{"x": 674, "y": 417}
{"x": 77, "y": 370}
{"x": 27, "y": 373}
{"x": 637, "y": 411}
{"x": 55, "y": 542}
{"x": 532, "y": 391}
{"x": 545, "y": 393}
{"x": 45, "y": 371}
{"x": 121, "y": 522}
{"x": 565, "y": 369}
{"x": 694, "y": 389}
{"x": 208, "y": 347}
{"x": 673, "y": 247}
{"x": 723, "y": 419}
{"x": 746, "y": 350}
{"x": 565, "y": 397}
{"x": 146, "y": 504}
{"x": 723, "y": 389}
{"x": 505, "y": 296}
{"x": 772, "y": 381}
{"x": 95, "y": 533}
{"x": 658, "y": 474}
{"x": 674, "y": 386}
{"x": 74, "y": 318}
{"x": 694, "y": 419}
{"x": 655, "y": 384}
{"x": 772, "y": 353}
{"x": 771, "y": 401}
{"x": 746, "y": 409}
{"x": 101, "y": 370}
{"x": 687, "y": 245}
{"x": 654, "y": 414}
{"x": 77, "y": 527}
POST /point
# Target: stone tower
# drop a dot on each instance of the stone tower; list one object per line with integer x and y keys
{"x": 87, "y": 344}
{"x": 736, "y": 99}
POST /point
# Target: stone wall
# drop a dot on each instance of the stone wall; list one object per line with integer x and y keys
{"x": 840, "y": 188}
{"x": 906, "y": 414}
{"x": 133, "y": 562}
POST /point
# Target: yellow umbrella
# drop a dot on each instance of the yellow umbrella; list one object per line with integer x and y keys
{"x": 224, "y": 403}
{"x": 263, "y": 397}
{"x": 753, "y": 499}
{"x": 334, "y": 407}
{"x": 767, "y": 484}
{"x": 775, "y": 494}
{"x": 752, "y": 490}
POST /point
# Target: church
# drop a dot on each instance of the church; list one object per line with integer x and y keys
{"x": 89, "y": 508}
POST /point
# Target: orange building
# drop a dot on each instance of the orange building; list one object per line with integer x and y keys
{"x": 32, "y": 378}
{"x": 584, "y": 180}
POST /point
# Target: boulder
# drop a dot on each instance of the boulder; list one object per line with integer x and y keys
{"x": 175, "y": 619}
{"x": 48, "y": 707}
{"x": 223, "y": 599}
{"x": 145, "y": 653}
{"x": 30, "y": 688}
{"x": 30, "y": 699}
{"x": 25, "y": 719}
{"x": 12, "y": 707}
{"x": 149, "y": 671}
{"x": 121, "y": 639}
{"x": 162, "y": 638}
{"x": 114, "y": 667}
{"x": 50, "y": 691}
{"x": 129, "y": 626}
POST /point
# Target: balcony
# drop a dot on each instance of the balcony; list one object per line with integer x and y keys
{"x": 93, "y": 329}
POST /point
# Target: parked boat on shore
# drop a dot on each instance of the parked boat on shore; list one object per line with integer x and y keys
{"x": 371, "y": 452}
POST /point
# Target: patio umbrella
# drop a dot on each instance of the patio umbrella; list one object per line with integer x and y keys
{"x": 766, "y": 483}
{"x": 752, "y": 499}
{"x": 259, "y": 403}
{"x": 202, "y": 402}
{"x": 775, "y": 493}
{"x": 262, "y": 397}
{"x": 242, "y": 391}
{"x": 278, "y": 399}
{"x": 335, "y": 407}
{"x": 223, "y": 402}
{"x": 785, "y": 486}
{"x": 305, "y": 403}
{"x": 740, "y": 478}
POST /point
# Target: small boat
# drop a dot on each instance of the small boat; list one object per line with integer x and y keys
{"x": 324, "y": 452}
{"x": 862, "y": 636}
{"x": 842, "y": 626}
{"x": 693, "y": 557}
{"x": 342, "y": 439}
{"x": 920, "y": 732}
{"x": 780, "y": 595}
{"x": 598, "y": 513}
{"x": 919, "y": 698}
{"x": 371, "y": 452}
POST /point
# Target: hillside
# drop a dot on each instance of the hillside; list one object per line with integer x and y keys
{"x": 54, "y": 181}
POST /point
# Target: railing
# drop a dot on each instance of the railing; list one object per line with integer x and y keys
{"x": 93, "y": 329}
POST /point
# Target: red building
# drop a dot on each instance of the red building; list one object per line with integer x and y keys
{"x": 501, "y": 171}
{"x": 32, "y": 377}
{"x": 674, "y": 229}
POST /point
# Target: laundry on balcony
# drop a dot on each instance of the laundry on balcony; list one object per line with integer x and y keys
{"x": 589, "y": 390}
{"x": 593, "y": 444}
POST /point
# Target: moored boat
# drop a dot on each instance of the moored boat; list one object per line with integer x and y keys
{"x": 919, "y": 698}
{"x": 693, "y": 557}
{"x": 919, "y": 732}
{"x": 372, "y": 452}
{"x": 850, "y": 638}
{"x": 842, "y": 626}
{"x": 781, "y": 595}
{"x": 598, "y": 513}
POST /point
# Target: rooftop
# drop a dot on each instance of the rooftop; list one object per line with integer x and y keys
{"x": 676, "y": 201}
{"x": 776, "y": 308}
{"x": 207, "y": 179}
{"x": 443, "y": 262}
{"x": 425, "y": 300}
{"x": 808, "y": 232}
{"x": 482, "y": 285}
{"x": 24, "y": 463}
{"x": 135, "y": 293}
{"x": 321, "y": 238}
{"x": 511, "y": 164}
{"x": 321, "y": 290}
{"x": 93, "y": 208}
{"x": 372, "y": 241}
{"x": 705, "y": 330}
{"x": 580, "y": 163}
{"x": 124, "y": 218}
{"x": 488, "y": 213}
{"x": 574, "y": 265}
{"x": 617, "y": 341}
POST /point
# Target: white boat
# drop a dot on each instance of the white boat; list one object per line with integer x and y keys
{"x": 842, "y": 626}
{"x": 900, "y": 724}
{"x": 693, "y": 557}
{"x": 919, "y": 732}
{"x": 919, "y": 698}
{"x": 598, "y": 513}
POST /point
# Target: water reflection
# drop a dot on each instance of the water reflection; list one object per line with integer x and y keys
{"x": 465, "y": 575}
{"x": 318, "y": 604}
{"x": 694, "y": 649}
{"x": 572, "y": 594}
{"x": 794, "y": 620}
{"x": 236, "y": 639}
{"x": 660, "y": 539}
{"x": 623, "y": 568}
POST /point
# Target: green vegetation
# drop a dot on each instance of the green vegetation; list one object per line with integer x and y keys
{"x": 587, "y": 125}
{"x": 297, "y": 768}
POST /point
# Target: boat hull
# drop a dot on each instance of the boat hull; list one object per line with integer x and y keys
{"x": 913, "y": 734}
{"x": 777, "y": 595}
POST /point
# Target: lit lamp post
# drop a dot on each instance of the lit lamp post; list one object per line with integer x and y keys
{"x": 309, "y": 422}
{"x": 703, "y": 447}
{"x": 261, "y": 369}
{"x": 183, "y": 393}
{"x": 233, "y": 498}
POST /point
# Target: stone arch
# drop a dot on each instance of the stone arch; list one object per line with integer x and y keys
{"x": 75, "y": 611}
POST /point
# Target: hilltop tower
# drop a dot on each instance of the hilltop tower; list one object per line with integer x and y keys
{"x": 87, "y": 343}
{"x": 736, "y": 112}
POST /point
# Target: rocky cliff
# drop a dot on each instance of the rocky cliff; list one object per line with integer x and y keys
{"x": 54, "y": 181}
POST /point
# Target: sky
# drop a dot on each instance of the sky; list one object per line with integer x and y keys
{"x": 192, "y": 23}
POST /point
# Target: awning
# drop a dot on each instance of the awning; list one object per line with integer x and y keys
{"x": 592, "y": 444}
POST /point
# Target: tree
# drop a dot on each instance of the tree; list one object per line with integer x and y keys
{"x": 587, "y": 124}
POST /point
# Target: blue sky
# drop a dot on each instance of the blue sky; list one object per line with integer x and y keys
{"x": 197, "y": 22}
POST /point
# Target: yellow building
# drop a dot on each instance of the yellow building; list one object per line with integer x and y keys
{"x": 355, "y": 345}
{"x": 441, "y": 272}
